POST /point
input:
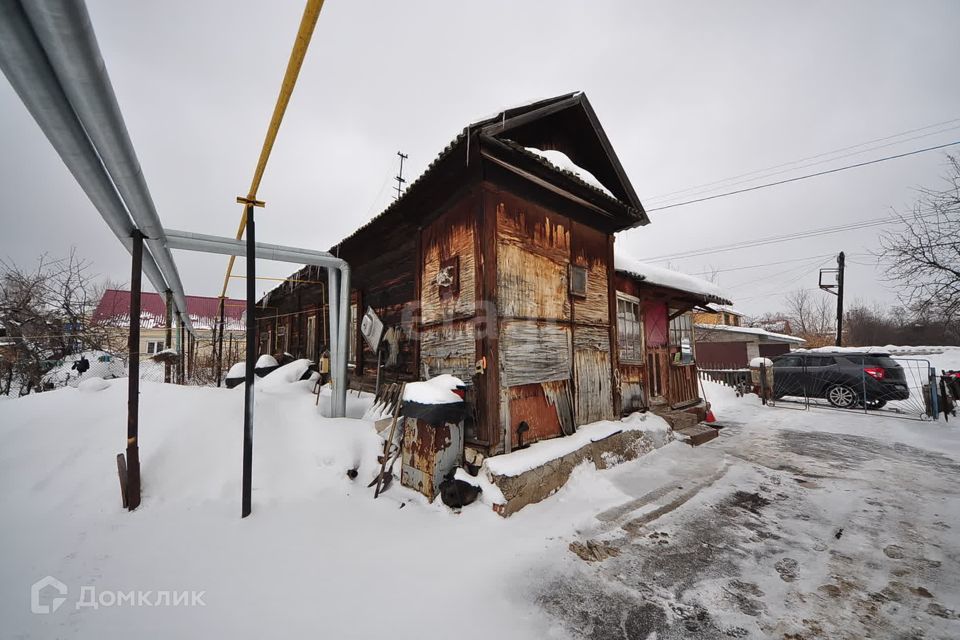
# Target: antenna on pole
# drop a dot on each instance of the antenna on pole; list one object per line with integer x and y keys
{"x": 399, "y": 177}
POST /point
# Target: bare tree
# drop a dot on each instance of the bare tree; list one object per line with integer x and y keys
{"x": 923, "y": 256}
{"x": 44, "y": 313}
{"x": 811, "y": 317}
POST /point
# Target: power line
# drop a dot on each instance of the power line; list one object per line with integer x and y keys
{"x": 733, "y": 182}
{"x": 811, "y": 233}
{"x": 803, "y": 177}
{"x": 770, "y": 264}
{"x": 813, "y": 157}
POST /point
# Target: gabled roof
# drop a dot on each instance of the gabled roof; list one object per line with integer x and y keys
{"x": 560, "y": 124}
{"x": 669, "y": 279}
{"x": 114, "y": 309}
{"x": 565, "y": 123}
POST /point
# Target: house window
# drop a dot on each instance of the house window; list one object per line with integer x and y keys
{"x": 448, "y": 278}
{"x": 629, "y": 329}
{"x": 311, "y": 337}
{"x": 154, "y": 346}
{"x": 681, "y": 335}
{"x": 282, "y": 344}
{"x": 578, "y": 281}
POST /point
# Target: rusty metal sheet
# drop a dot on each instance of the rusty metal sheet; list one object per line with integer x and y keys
{"x": 532, "y": 351}
{"x": 429, "y": 453}
{"x": 529, "y": 403}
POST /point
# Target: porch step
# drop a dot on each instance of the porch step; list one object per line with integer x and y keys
{"x": 698, "y": 434}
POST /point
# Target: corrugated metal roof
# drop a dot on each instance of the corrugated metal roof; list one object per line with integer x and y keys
{"x": 114, "y": 308}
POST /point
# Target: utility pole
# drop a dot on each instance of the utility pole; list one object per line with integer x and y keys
{"x": 838, "y": 285}
{"x": 840, "y": 266}
{"x": 399, "y": 177}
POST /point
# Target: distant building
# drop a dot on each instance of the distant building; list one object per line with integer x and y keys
{"x": 725, "y": 346}
{"x": 113, "y": 312}
{"x": 720, "y": 314}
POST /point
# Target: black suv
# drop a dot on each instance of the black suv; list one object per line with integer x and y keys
{"x": 846, "y": 379}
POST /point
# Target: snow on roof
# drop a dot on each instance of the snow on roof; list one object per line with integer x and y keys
{"x": 669, "y": 278}
{"x": 722, "y": 308}
{"x": 751, "y": 330}
{"x": 562, "y": 161}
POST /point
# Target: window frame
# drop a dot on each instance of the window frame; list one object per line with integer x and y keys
{"x": 676, "y": 334}
{"x": 577, "y": 269}
{"x": 159, "y": 345}
{"x": 631, "y": 345}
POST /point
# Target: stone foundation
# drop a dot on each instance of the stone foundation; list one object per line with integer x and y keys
{"x": 540, "y": 483}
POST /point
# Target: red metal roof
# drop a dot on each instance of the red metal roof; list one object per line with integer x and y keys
{"x": 114, "y": 308}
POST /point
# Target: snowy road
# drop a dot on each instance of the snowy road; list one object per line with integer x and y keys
{"x": 738, "y": 538}
{"x": 793, "y": 525}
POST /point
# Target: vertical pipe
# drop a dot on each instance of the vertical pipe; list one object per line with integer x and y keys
{"x": 251, "y": 359}
{"x": 333, "y": 297}
{"x": 133, "y": 376}
{"x": 169, "y": 336}
{"x": 181, "y": 348}
{"x": 344, "y": 328}
{"x": 219, "y": 345}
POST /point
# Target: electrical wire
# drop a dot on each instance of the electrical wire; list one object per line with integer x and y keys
{"x": 820, "y": 162}
{"x": 811, "y": 233}
{"x": 803, "y": 177}
{"x": 813, "y": 157}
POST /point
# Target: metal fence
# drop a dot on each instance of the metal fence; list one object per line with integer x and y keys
{"x": 872, "y": 384}
{"x": 38, "y": 364}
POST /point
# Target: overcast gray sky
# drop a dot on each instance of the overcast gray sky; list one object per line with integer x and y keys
{"x": 688, "y": 93}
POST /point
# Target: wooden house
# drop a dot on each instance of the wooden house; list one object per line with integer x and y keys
{"x": 655, "y": 346}
{"x": 497, "y": 266}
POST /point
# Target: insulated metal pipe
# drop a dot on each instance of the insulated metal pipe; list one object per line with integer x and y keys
{"x": 66, "y": 34}
{"x": 338, "y": 282}
{"x": 343, "y": 327}
{"x": 27, "y": 68}
{"x": 189, "y": 241}
{"x": 333, "y": 296}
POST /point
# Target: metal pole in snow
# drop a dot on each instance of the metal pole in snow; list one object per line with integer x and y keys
{"x": 133, "y": 376}
{"x": 247, "y": 485}
{"x": 841, "y": 259}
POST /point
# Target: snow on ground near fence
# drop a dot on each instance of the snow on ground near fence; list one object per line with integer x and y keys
{"x": 318, "y": 555}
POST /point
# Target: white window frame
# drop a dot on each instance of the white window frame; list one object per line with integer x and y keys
{"x": 158, "y": 346}
{"x": 630, "y": 332}
{"x": 679, "y": 328}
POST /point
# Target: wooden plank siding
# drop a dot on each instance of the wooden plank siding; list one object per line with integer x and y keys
{"x": 555, "y": 366}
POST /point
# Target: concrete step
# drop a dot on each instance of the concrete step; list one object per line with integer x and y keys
{"x": 698, "y": 434}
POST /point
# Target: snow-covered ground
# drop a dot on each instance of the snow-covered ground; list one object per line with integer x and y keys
{"x": 737, "y": 538}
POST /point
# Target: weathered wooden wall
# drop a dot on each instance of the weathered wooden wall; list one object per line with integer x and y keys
{"x": 592, "y": 362}
{"x": 555, "y": 364}
{"x": 447, "y": 332}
